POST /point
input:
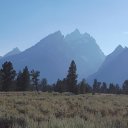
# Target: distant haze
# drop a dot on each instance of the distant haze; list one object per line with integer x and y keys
{"x": 114, "y": 68}
{"x": 53, "y": 54}
{"x": 25, "y": 22}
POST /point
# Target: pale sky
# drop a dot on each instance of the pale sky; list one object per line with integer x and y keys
{"x": 24, "y": 22}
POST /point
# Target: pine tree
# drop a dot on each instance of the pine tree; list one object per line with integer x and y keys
{"x": 35, "y": 79}
{"x": 44, "y": 85}
{"x": 83, "y": 86}
{"x": 59, "y": 86}
{"x": 19, "y": 82}
{"x": 112, "y": 88}
{"x": 104, "y": 88}
{"x": 95, "y": 86}
{"x": 125, "y": 87}
{"x": 72, "y": 78}
{"x": 118, "y": 90}
{"x": 64, "y": 85}
{"x": 25, "y": 79}
{"x": 89, "y": 88}
{"x": 7, "y": 76}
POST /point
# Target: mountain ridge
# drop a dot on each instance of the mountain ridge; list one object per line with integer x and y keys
{"x": 52, "y": 56}
{"x": 14, "y": 51}
{"x": 113, "y": 69}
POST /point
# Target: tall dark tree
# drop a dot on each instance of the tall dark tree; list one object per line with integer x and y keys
{"x": 83, "y": 87}
{"x": 112, "y": 88}
{"x": 72, "y": 78}
{"x": 96, "y": 86}
{"x": 103, "y": 88}
{"x": 125, "y": 87}
{"x": 58, "y": 86}
{"x": 89, "y": 88}
{"x": 7, "y": 76}
{"x": 64, "y": 85}
{"x": 25, "y": 79}
{"x": 118, "y": 89}
{"x": 35, "y": 79}
{"x": 19, "y": 82}
{"x": 44, "y": 85}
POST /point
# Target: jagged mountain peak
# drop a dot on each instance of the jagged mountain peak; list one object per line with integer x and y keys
{"x": 53, "y": 54}
{"x": 51, "y": 39}
{"x": 114, "y": 68}
{"x": 116, "y": 52}
{"x": 118, "y": 48}
{"x": 86, "y": 34}
{"x": 56, "y": 35}
{"x": 75, "y": 35}
{"x": 76, "y": 32}
{"x": 14, "y": 51}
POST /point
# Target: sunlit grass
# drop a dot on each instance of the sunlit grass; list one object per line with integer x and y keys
{"x": 54, "y": 110}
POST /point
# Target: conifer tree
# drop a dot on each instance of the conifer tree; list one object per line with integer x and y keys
{"x": 89, "y": 88}
{"x": 64, "y": 85}
{"x": 112, "y": 88}
{"x": 83, "y": 86}
{"x": 104, "y": 88}
{"x": 118, "y": 90}
{"x": 7, "y": 76}
{"x": 95, "y": 86}
{"x": 19, "y": 82}
{"x": 35, "y": 79}
{"x": 44, "y": 85}
{"x": 72, "y": 78}
{"x": 59, "y": 86}
{"x": 25, "y": 79}
{"x": 125, "y": 87}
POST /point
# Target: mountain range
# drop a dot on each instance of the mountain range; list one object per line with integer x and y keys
{"x": 114, "y": 68}
{"x": 53, "y": 54}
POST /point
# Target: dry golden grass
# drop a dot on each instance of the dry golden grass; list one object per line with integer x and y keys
{"x": 54, "y": 110}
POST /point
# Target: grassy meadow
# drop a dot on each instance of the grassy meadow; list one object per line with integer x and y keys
{"x": 55, "y": 110}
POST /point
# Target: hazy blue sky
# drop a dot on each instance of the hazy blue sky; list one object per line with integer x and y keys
{"x": 24, "y": 22}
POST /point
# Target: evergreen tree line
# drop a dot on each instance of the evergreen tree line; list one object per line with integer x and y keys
{"x": 26, "y": 80}
{"x": 22, "y": 81}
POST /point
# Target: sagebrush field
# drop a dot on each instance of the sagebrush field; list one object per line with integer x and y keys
{"x": 55, "y": 110}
